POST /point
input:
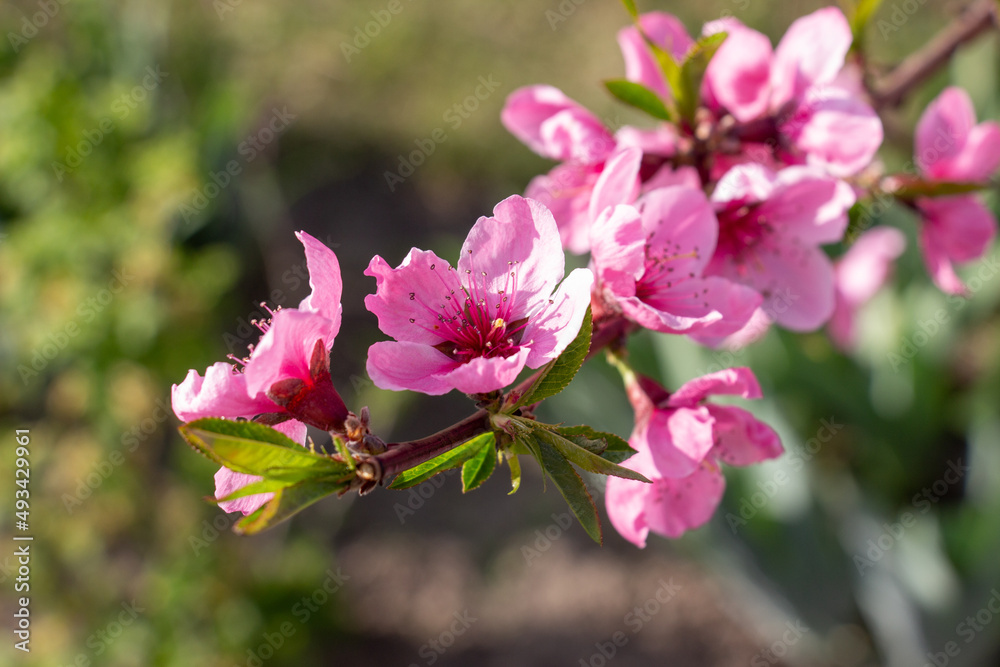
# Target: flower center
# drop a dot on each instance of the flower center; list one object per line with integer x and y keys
{"x": 742, "y": 228}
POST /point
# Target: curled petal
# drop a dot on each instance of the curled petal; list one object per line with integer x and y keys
{"x": 325, "y": 281}
{"x": 554, "y": 126}
{"x": 678, "y": 439}
{"x": 742, "y": 440}
{"x": 221, "y": 393}
{"x": 731, "y": 381}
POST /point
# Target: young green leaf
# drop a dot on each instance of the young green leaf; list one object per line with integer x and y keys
{"x": 571, "y": 487}
{"x": 256, "y": 449}
{"x": 453, "y": 458}
{"x": 587, "y": 460}
{"x": 693, "y": 72}
{"x": 478, "y": 469}
{"x": 286, "y": 502}
{"x": 639, "y": 96}
{"x": 560, "y": 372}
{"x": 860, "y": 15}
{"x": 608, "y": 445}
{"x": 631, "y": 9}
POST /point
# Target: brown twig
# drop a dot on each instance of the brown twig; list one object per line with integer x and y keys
{"x": 892, "y": 89}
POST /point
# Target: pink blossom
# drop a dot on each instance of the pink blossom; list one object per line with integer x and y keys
{"x": 680, "y": 441}
{"x": 951, "y": 147}
{"x": 285, "y": 380}
{"x": 770, "y": 228}
{"x": 476, "y": 326}
{"x": 859, "y": 274}
{"x": 649, "y": 258}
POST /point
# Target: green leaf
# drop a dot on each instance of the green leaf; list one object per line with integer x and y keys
{"x": 558, "y": 373}
{"x": 608, "y": 445}
{"x": 286, "y": 502}
{"x": 453, "y": 458}
{"x": 631, "y": 9}
{"x": 571, "y": 487}
{"x": 515, "y": 474}
{"x": 256, "y": 449}
{"x": 693, "y": 72}
{"x": 860, "y": 15}
{"x": 639, "y": 96}
{"x": 584, "y": 458}
{"x": 478, "y": 469}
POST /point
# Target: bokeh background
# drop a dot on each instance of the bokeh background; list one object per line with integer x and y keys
{"x": 121, "y": 267}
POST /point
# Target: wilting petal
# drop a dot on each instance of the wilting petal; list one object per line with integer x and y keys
{"x": 549, "y": 332}
{"x": 740, "y": 439}
{"x": 811, "y": 53}
{"x": 227, "y": 481}
{"x": 325, "y": 281}
{"x": 221, "y": 393}
{"x": 738, "y": 76}
{"x": 408, "y": 299}
{"x": 731, "y": 382}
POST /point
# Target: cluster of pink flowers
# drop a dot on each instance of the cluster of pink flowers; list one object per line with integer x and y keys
{"x": 710, "y": 225}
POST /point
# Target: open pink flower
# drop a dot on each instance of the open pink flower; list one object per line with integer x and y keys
{"x": 789, "y": 97}
{"x": 951, "y": 147}
{"x": 556, "y": 127}
{"x": 475, "y": 326}
{"x": 859, "y": 274}
{"x": 770, "y": 228}
{"x": 680, "y": 441}
{"x": 649, "y": 258}
{"x": 285, "y": 381}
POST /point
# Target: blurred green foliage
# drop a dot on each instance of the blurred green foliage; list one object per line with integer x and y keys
{"x": 120, "y": 270}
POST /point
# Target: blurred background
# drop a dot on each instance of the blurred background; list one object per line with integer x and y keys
{"x": 156, "y": 158}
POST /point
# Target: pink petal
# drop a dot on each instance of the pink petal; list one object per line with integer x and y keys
{"x": 549, "y": 332}
{"x": 227, "y": 481}
{"x": 835, "y": 131}
{"x": 745, "y": 183}
{"x": 678, "y": 440}
{"x": 555, "y": 126}
{"x": 864, "y": 268}
{"x": 408, "y": 366}
{"x": 617, "y": 246}
{"x": 665, "y": 31}
{"x": 286, "y": 348}
{"x": 950, "y": 146}
{"x": 956, "y": 229}
{"x": 738, "y": 76}
{"x": 731, "y": 381}
{"x": 811, "y": 53}
{"x": 618, "y": 183}
{"x": 483, "y": 375}
{"x": 566, "y": 191}
{"x": 660, "y": 317}
{"x": 325, "y": 281}
{"x": 221, "y": 393}
{"x": 517, "y": 251}
{"x": 295, "y": 430}
{"x": 693, "y": 305}
{"x": 752, "y": 331}
{"x": 681, "y": 226}
{"x": 406, "y": 317}
{"x": 625, "y": 500}
{"x": 661, "y": 140}
{"x": 666, "y": 176}
{"x": 736, "y": 304}
{"x": 675, "y": 506}
{"x": 740, "y": 439}
{"x": 809, "y": 206}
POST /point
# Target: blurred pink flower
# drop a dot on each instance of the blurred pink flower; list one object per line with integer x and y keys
{"x": 771, "y": 225}
{"x": 680, "y": 441}
{"x": 475, "y": 328}
{"x": 951, "y": 147}
{"x": 648, "y": 259}
{"x": 285, "y": 378}
{"x": 858, "y": 275}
